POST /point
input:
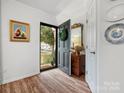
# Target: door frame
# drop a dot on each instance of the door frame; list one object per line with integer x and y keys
{"x": 56, "y": 27}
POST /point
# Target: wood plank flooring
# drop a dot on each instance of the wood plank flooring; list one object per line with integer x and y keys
{"x": 52, "y": 81}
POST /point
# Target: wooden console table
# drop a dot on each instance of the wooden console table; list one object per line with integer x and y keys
{"x": 78, "y": 64}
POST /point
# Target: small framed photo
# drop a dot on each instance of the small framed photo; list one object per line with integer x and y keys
{"x": 19, "y": 31}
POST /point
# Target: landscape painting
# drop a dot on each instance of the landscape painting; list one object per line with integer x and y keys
{"x": 19, "y": 31}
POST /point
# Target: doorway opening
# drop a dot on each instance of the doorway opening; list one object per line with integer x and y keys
{"x": 48, "y": 46}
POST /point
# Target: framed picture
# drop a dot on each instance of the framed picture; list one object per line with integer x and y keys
{"x": 19, "y": 31}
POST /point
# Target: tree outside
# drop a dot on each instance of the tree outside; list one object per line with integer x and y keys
{"x": 47, "y": 38}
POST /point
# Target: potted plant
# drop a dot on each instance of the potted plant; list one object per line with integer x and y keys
{"x": 78, "y": 49}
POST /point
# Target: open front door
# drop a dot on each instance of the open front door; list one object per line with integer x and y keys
{"x": 64, "y": 54}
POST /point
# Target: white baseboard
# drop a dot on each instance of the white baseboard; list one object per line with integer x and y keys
{"x": 18, "y": 78}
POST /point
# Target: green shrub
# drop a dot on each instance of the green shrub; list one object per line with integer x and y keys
{"x": 48, "y": 59}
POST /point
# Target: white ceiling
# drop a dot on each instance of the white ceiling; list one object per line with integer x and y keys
{"x": 53, "y": 7}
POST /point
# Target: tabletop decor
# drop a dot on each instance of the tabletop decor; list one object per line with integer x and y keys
{"x": 78, "y": 49}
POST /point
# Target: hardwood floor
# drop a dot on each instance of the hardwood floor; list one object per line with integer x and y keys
{"x": 52, "y": 81}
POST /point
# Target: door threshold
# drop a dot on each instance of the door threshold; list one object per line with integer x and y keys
{"x": 41, "y": 70}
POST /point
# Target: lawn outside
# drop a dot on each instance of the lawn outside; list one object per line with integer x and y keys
{"x": 47, "y": 59}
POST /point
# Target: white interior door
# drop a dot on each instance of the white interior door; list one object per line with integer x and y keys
{"x": 64, "y": 54}
{"x": 91, "y": 63}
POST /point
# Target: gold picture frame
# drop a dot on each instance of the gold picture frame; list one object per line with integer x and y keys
{"x": 19, "y": 31}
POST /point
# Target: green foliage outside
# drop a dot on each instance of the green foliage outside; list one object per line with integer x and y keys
{"x": 47, "y": 36}
{"x": 48, "y": 59}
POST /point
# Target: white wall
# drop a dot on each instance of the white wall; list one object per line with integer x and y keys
{"x": 75, "y": 11}
{"x": 21, "y": 59}
{"x": 111, "y": 57}
{"x": 0, "y": 47}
